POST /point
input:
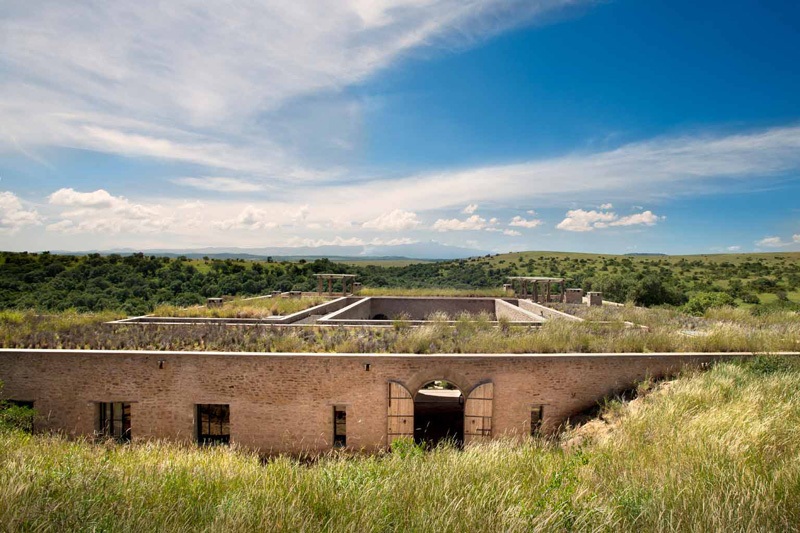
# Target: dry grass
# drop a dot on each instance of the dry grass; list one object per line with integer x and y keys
{"x": 241, "y": 308}
{"x": 369, "y": 291}
{"x": 668, "y": 333}
{"x": 718, "y": 451}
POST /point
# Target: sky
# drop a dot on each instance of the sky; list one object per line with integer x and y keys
{"x": 495, "y": 125}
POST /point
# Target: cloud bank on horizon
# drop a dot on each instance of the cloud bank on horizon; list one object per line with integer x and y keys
{"x": 204, "y": 106}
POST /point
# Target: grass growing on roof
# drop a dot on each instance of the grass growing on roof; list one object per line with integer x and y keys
{"x": 725, "y": 330}
{"x": 245, "y": 308}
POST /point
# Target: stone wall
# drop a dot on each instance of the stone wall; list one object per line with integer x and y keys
{"x": 284, "y": 402}
{"x": 503, "y": 309}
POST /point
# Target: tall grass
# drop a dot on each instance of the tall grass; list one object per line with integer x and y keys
{"x": 718, "y": 451}
{"x": 244, "y": 308}
{"x": 667, "y": 333}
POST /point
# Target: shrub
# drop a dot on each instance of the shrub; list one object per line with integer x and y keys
{"x": 701, "y": 302}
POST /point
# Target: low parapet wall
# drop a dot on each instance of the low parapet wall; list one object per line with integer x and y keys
{"x": 546, "y": 312}
{"x": 283, "y": 402}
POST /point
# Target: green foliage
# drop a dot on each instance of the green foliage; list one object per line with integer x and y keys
{"x": 15, "y": 416}
{"x": 701, "y": 302}
{"x": 136, "y": 284}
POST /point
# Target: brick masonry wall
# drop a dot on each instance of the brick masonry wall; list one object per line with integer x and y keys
{"x": 284, "y": 402}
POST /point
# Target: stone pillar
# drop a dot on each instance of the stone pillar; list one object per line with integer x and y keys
{"x": 319, "y": 286}
{"x": 330, "y": 286}
{"x": 595, "y": 298}
{"x": 574, "y": 296}
{"x": 547, "y": 298}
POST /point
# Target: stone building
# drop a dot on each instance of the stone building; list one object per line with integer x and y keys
{"x": 312, "y": 402}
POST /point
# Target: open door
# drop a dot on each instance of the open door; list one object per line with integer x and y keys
{"x": 478, "y": 414}
{"x": 401, "y": 413}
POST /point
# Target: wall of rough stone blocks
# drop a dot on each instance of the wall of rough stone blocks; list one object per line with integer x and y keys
{"x": 284, "y": 402}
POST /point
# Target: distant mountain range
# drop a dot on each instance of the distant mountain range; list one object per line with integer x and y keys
{"x": 423, "y": 250}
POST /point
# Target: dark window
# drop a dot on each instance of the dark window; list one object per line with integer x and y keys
{"x": 114, "y": 420}
{"x": 339, "y": 427}
{"x": 213, "y": 423}
{"x": 537, "y": 413}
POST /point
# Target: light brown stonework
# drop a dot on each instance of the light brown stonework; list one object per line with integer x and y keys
{"x": 283, "y": 402}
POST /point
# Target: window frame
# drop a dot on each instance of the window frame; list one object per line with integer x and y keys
{"x": 210, "y": 438}
{"x": 339, "y": 437}
{"x": 113, "y": 421}
{"x": 536, "y": 425}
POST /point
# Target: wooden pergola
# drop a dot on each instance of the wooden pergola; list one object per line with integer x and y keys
{"x": 346, "y": 278}
{"x": 529, "y": 286}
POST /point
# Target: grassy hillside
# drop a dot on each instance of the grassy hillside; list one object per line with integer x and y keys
{"x": 713, "y": 451}
{"x": 136, "y": 284}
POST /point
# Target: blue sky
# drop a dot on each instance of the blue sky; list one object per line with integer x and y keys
{"x": 608, "y": 127}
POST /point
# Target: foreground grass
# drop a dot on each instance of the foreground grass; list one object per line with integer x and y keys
{"x": 244, "y": 308}
{"x": 715, "y": 451}
{"x": 732, "y": 330}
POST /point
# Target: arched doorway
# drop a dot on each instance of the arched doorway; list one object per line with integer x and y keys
{"x": 438, "y": 414}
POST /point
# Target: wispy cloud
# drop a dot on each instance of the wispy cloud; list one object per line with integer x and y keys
{"x": 777, "y": 242}
{"x": 193, "y": 82}
{"x": 644, "y": 167}
{"x": 220, "y": 184}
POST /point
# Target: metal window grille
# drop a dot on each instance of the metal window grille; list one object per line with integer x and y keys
{"x": 213, "y": 424}
{"x": 114, "y": 420}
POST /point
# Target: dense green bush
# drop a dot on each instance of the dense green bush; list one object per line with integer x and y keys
{"x": 701, "y": 302}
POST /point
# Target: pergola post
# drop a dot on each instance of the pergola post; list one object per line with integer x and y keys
{"x": 319, "y": 285}
{"x": 330, "y": 286}
{"x": 562, "y": 292}
{"x": 536, "y": 292}
{"x": 547, "y": 300}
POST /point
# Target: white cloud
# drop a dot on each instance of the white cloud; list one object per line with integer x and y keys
{"x": 734, "y": 248}
{"x": 475, "y": 222}
{"x": 606, "y": 206}
{"x": 219, "y": 184}
{"x": 251, "y": 218}
{"x": 580, "y": 220}
{"x": 776, "y": 242}
{"x": 511, "y": 232}
{"x": 14, "y": 216}
{"x": 470, "y": 209}
{"x": 101, "y": 212}
{"x": 524, "y": 223}
{"x": 191, "y": 204}
{"x": 392, "y": 242}
{"x": 531, "y": 212}
{"x": 99, "y": 198}
{"x": 395, "y": 220}
{"x": 646, "y": 218}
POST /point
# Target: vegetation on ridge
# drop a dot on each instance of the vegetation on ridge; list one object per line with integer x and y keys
{"x": 136, "y": 284}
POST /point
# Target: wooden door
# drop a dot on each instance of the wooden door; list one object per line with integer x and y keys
{"x": 401, "y": 413}
{"x": 478, "y": 414}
